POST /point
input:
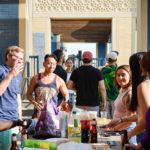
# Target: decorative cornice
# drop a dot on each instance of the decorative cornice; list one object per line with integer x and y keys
{"x": 84, "y": 6}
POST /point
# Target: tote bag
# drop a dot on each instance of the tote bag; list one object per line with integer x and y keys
{"x": 48, "y": 122}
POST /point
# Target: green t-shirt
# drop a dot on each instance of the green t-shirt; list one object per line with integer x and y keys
{"x": 108, "y": 74}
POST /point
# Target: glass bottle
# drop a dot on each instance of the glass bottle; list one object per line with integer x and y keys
{"x": 93, "y": 131}
{"x": 85, "y": 131}
{"x": 23, "y": 132}
{"x": 125, "y": 140}
{"x": 39, "y": 111}
{"x": 75, "y": 120}
{"x": 14, "y": 142}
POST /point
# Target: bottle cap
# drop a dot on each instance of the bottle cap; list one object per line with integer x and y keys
{"x": 14, "y": 137}
{"x": 74, "y": 112}
{"x": 14, "y": 134}
{"x": 93, "y": 122}
{"x": 24, "y": 123}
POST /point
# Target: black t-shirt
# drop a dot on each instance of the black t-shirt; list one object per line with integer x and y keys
{"x": 63, "y": 74}
{"x": 86, "y": 80}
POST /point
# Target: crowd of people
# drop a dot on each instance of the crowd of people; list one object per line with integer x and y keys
{"x": 123, "y": 91}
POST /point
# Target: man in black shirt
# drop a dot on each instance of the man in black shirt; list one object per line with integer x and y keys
{"x": 87, "y": 80}
{"x": 60, "y": 70}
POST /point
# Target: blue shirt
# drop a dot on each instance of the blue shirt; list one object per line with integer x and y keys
{"x": 8, "y": 100}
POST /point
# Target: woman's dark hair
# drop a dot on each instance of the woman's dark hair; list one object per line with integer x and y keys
{"x": 137, "y": 78}
{"x": 145, "y": 62}
{"x": 69, "y": 58}
{"x": 127, "y": 69}
{"x": 58, "y": 53}
{"x": 50, "y": 56}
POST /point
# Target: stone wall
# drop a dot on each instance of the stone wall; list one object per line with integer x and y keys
{"x": 123, "y": 14}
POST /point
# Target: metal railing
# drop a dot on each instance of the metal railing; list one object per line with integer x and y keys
{"x": 31, "y": 68}
{"x": 96, "y": 62}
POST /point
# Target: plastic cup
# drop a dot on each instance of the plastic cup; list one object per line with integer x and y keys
{"x": 104, "y": 117}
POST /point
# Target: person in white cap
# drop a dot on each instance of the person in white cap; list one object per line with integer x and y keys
{"x": 108, "y": 73}
{"x": 112, "y": 58}
{"x": 86, "y": 81}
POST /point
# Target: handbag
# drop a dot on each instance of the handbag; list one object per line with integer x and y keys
{"x": 48, "y": 122}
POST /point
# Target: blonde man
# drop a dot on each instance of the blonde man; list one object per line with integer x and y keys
{"x": 10, "y": 85}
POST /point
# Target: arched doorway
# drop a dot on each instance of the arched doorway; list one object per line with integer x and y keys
{"x": 82, "y": 31}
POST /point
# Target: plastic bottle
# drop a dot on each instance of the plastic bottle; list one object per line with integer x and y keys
{"x": 64, "y": 124}
{"x": 93, "y": 131}
{"x": 14, "y": 142}
{"x": 70, "y": 125}
{"x": 85, "y": 131}
{"x": 76, "y": 131}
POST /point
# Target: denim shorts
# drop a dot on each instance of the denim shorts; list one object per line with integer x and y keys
{"x": 133, "y": 139}
{"x": 71, "y": 98}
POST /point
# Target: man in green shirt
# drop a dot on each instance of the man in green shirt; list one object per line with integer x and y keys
{"x": 108, "y": 73}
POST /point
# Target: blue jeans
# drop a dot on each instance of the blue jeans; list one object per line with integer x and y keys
{"x": 32, "y": 126}
{"x": 71, "y": 98}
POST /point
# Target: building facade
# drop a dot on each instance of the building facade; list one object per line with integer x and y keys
{"x": 32, "y": 23}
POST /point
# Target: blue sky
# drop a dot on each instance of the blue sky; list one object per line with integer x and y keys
{"x": 73, "y": 48}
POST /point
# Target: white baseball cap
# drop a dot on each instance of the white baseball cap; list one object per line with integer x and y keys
{"x": 112, "y": 55}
